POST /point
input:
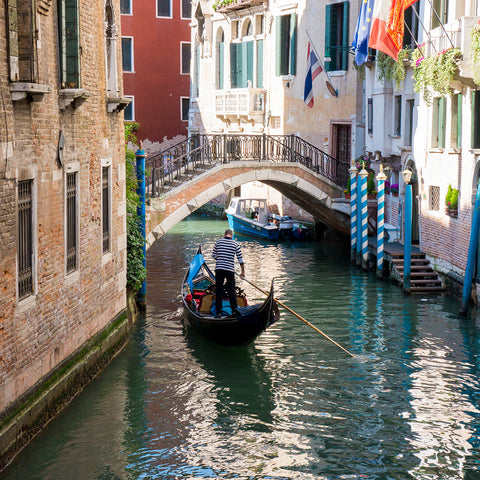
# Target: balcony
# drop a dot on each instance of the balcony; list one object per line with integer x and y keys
{"x": 225, "y": 6}
{"x": 241, "y": 102}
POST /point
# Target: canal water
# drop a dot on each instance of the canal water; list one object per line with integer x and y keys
{"x": 290, "y": 406}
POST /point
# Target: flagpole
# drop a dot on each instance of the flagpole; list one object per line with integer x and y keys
{"x": 316, "y": 53}
{"x": 424, "y": 29}
{"x": 441, "y": 24}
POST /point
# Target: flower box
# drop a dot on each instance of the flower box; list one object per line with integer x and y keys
{"x": 451, "y": 212}
{"x": 223, "y": 6}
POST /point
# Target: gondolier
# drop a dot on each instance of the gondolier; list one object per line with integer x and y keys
{"x": 224, "y": 253}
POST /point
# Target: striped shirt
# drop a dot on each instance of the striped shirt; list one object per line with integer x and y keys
{"x": 224, "y": 253}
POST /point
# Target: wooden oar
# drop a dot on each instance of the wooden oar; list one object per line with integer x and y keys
{"x": 298, "y": 316}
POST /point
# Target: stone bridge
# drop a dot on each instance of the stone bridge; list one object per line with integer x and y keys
{"x": 312, "y": 191}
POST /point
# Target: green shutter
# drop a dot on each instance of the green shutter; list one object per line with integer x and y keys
{"x": 259, "y": 64}
{"x": 476, "y": 119}
{"x": 293, "y": 44}
{"x": 62, "y": 40}
{"x": 345, "y": 42}
{"x": 236, "y": 65}
{"x": 221, "y": 64}
{"x": 328, "y": 37}
{"x": 282, "y": 43}
{"x": 248, "y": 61}
{"x": 441, "y": 122}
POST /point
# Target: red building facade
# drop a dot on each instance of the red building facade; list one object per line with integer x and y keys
{"x": 156, "y": 68}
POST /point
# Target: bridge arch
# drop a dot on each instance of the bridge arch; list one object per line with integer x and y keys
{"x": 314, "y": 193}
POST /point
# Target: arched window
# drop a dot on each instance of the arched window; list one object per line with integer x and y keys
{"x": 111, "y": 50}
{"x": 247, "y": 29}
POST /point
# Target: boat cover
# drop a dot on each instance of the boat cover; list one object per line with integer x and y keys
{"x": 195, "y": 267}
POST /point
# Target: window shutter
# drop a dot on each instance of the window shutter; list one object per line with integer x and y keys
{"x": 328, "y": 37}
{"x": 293, "y": 44}
{"x": 345, "y": 43}
{"x": 236, "y": 65}
{"x": 476, "y": 119}
{"x": 248, "y": 62}
{"x": 221, "y": 64}
{"x": 260, "y": 64}
{"x": 62, "y": 37}
{"x": 441, "y": 122}
{"x": 282, "y": 44}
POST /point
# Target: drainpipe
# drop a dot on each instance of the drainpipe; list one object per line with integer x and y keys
{"x": 472, "y": 254}
{"x": 140, "y": 163}
{"x": 364, "y": 213}
{"x": 381, "y": 177}
{"x": 353, "y": 212}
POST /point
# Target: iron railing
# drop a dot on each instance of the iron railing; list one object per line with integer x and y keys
{"x": 200, "y": 151}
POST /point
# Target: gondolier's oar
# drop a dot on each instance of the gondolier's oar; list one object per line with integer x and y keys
{"x": 299, "y": 317}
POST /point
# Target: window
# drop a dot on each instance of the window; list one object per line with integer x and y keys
{"x": 260, "y": 63}
{"x": 68, "y": 28}
{"x": 370, "y": 116}
{"x": 164, "y": 8}
{"x": 397, "y": 115}
{"x": 127, "y": 54}
{"x": 476, "y": 119}
{"x": 336, "y": 37}
{"x": 197, "y": 71}
{"x": 241, "y": 64}
{"x": 456, "y": 123}
{"x": 111, "y": 49}
{"x": 187, "y": 9}
{"x": 185, "y": 106}
{"x": 22, "y": 50}
{"x": 438, "y": 124}
{"x": 220, "y": 60}
{"x": 409, "y": 122}
{"x": 25, "y": 239}
{"x": 129, "y": 112}
{"x": 71, "y": 221}
{"x": 410, "y": 37}
{"x": 259, "y": 24}
{"x": 439, "y": 12}
{"x": 434, "y": 198}
{"x": 105, "y": 209}
{"x": 126, "y": 7}
{"x": 286, "y": 45}
{"x": 185, "y": 54}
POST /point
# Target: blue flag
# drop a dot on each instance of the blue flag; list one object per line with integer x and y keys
{"x": 362, "y": 32}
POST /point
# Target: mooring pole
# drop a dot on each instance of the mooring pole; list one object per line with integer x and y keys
{"x": 140, "y": 164}
{"x": 358, "y": 258}
{"x": 353, "y": 212}
{"x": 381, "y": 177}
{"x": 364, "y": 213}
{"x": 407, "y": 251}
{"x": 472, "y": 254}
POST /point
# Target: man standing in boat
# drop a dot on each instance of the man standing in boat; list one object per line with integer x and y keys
{"x": 224, "y": 253}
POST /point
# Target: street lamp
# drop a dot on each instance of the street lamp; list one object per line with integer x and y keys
{"x": 407, "y": 252}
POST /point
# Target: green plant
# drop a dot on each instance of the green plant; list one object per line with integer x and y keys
{"x": 475, "y": 49}
{"x": 136, "y": 272}
{"x": 222, "y": 3}
{"x": 389, "y": 69}
{"x": 448, "y": 196}
{"x": 433, "y": 74}
{"x": 371, "y": 184}
{"x": 454, "y": 200}
{"x": 347, "y": 190}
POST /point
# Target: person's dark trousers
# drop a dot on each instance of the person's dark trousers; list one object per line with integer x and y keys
{"x": 227, "y": 277}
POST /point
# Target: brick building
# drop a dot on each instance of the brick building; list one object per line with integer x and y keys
{"x": 62, "y": 186}
{"x": 156, "y": 69}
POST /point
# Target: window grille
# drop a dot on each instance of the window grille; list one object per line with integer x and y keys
{"x": 434, "y": 198}
{"x": 71, "y": 222}
{"x": 106, "y": 209}
{"x": 25, "y": 239}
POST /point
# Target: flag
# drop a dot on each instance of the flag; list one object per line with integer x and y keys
{"x": 314, "y": 68}
{"x": 362, "y": 32}
{"x": 386, "y": 33}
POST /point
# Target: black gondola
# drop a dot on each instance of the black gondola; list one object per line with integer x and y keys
{"x": 198, "y": 296}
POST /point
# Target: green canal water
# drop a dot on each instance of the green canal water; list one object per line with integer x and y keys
{"x": 290, "y": 406}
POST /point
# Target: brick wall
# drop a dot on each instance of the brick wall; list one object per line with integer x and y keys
{"x": 66, "y": 310}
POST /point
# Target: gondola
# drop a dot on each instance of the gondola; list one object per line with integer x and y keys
{"x": 198, "y": 297}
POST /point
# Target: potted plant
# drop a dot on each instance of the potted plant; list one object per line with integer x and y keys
{"x": 389, "y": 69}
{"x": 394, "y": 189}
{"x": 475, "y": 50}
{"x": 433, "y": 74}
{"x": 347, "y": 190}
{"x": 451, "y": 202}
{"x": 371, "y": 192}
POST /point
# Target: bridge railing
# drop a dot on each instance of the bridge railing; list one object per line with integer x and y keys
{"x": 201, "y": 151}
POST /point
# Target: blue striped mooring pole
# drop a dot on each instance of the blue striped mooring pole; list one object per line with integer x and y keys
{"x": 140, "y": 164}
{"x": 353, "y": 212}
{"x": 358, "y": 256}
{"x": 472, "y": 254}
{"x": 381, "y": 177}
{"x": 364, "y": 215}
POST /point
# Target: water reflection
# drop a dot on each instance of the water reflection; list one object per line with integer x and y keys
{"x": 290, "y": 406}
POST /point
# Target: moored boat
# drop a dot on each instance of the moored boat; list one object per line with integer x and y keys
{"x": 250, "y": 216}
{"x": 198, "y": 297}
